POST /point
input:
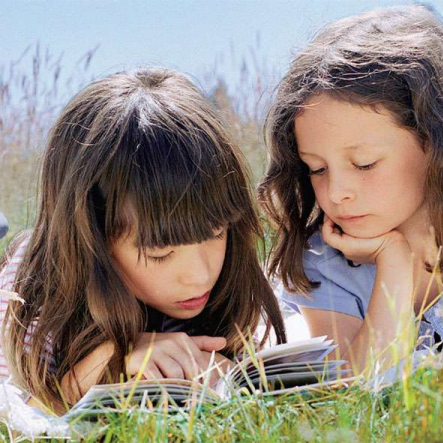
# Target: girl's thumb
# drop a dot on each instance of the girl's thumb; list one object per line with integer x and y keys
{"x": 206, "y": 343}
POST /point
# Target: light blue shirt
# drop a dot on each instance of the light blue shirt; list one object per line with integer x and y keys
{"x": 348, "y": 289}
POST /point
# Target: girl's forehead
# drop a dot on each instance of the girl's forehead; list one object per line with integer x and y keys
{"x": 327, "y": 123}
{"x": 329, "y": 103}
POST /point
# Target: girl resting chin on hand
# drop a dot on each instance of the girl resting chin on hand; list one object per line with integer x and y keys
{"x": 354, "y": 184}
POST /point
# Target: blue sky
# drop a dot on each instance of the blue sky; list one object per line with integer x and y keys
{"x": 189, "y": 35}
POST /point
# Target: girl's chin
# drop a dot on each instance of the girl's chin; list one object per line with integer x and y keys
{"x": 362, "y": 228}
{"x": 363, "y": 233}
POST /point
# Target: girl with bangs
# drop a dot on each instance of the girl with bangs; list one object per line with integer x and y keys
{"x": 145, "y": 224}
{"x": 354, "y": 184}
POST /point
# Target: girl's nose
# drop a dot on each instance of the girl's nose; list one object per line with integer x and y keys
{"x": 340, "y": 189}
{"x": 196, "y": 267}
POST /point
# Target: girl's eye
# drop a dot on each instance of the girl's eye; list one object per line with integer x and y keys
{"x": 321, "y": 171}
{"x": 159, "y": 259}
{"x": 162, "y": 258}
{"x": 317, "y": 171}
{"x": 365, "y": 167}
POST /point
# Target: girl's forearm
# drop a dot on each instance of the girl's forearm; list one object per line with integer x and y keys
{"x": 391, "y": 304}
{"x": 86, "y": 373}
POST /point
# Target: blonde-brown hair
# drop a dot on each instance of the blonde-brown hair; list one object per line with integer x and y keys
{"x": 148, "y": 138}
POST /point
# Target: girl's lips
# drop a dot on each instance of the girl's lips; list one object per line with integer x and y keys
{"x": 352, "y": 218}
{"x": 195, "y": 303}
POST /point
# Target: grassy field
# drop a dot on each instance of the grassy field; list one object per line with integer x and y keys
{"x": 409, "y": 411}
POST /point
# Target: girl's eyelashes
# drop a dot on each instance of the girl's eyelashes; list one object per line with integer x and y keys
{"x": 321, "y": 171}
{"x": 365, "y": 167}
{"x": 162, "y": 258}
{"x": 317, "y": 171}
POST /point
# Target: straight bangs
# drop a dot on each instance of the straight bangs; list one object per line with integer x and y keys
{"x": 169, "y": 187}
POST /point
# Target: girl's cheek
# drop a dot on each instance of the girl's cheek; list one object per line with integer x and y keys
{"x": 320, "y": 193}
{"x": 322, "y": 201}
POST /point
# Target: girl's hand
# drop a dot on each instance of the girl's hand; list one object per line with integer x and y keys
{"x": 174, "y": 355}
{"x": 223, "y": 363}
{"x": 364, "y": 250}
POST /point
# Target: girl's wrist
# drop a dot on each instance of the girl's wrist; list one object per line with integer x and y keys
{"x": 395, "y": 254}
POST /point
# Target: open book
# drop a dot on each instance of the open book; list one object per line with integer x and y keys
{"x": 281, "y": 369}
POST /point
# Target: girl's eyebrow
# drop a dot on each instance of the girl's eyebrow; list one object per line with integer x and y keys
{"x": 346, "y": 148}
{"x": 306, "y": 154}
{"x": 353, "y": 147}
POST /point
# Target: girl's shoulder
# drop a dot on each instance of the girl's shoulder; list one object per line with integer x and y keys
{"x": 338, "y": 286}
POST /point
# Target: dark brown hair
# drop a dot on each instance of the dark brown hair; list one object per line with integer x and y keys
{"x": 390, "y": 58}
{"x": 148, "y": 138}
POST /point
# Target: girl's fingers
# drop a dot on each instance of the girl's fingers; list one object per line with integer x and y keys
{"x": 152, "y": 373}
{"x": 169, "y": 367}
{"x": 331, "y": 234}
{"x": 180, "y": 348}
{"x": 335, "y": 238}
{"x": 193, "y": 357}
{"x": 329, "y": 226}
{"x": 220, "y": 363}
{"x": 175, "y": 355}
{"x": 207, "y": 343}
{"x": 190, "y": 357}
{"x": 224, "y": 362}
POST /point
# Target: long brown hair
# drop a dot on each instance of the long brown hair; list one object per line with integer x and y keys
{"x": 148, "y": 138}
{"x": 390, "y": 57}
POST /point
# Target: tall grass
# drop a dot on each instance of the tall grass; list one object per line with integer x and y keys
{"x": 33, "y": 89}
{"x": 352, "y": 416}
{"x": 406, "y": 412}
{"x": 243, "y": 103}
